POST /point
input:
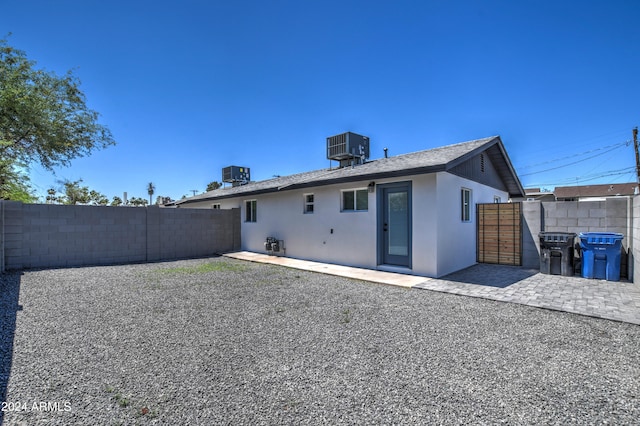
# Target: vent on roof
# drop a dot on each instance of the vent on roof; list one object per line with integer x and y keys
{"x": 348, "y": 148}
{"x": 236, "y": 175}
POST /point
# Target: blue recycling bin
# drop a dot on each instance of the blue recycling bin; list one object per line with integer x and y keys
{"x": 601, "y": 255}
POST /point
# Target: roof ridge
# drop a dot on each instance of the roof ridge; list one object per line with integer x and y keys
{"x": 427, "y": 160}
{"x": 487, "y": 139}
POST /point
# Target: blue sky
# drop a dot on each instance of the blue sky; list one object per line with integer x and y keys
{"x": 188, "y": 87}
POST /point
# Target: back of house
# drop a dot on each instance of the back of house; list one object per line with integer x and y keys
{"x": 412, "y": 213}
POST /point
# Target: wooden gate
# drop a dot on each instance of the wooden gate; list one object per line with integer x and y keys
{"x": 499, "y": 233}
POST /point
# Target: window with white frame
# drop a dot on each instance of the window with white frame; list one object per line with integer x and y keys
{"x": 465, "y": 204}
{"x": 497, "y": 199}
{"x": 309, "y": 201}
{"x": 216, "y": 206}
{"x": 251, "y": 211}
{"x": 355, "y": 200}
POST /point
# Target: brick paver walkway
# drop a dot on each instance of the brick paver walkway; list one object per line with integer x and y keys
{"x": 618, "y": 301}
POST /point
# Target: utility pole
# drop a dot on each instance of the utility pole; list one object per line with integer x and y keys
{"x": 635, "y": 147}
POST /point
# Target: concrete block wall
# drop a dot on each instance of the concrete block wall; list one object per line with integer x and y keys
{"x": 610, "y": 215}
{"x": 185, "y": 233}
{"x": 531, "y": 227}
{"x": 42, "y": 236}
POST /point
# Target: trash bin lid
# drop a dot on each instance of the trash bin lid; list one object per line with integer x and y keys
{"x": 556, "y": 237}
{"x": 601, "y": 237}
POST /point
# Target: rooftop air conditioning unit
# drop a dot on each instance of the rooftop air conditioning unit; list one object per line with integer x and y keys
{"x": 236, "y": 175}
{"x": 348, "y": 148}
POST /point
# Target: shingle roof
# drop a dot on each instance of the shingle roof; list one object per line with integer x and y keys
{"x": 605, "y": 190}
{"x": 427, "y": 161}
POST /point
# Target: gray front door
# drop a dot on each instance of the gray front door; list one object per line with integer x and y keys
{"x": 394, "y": 224}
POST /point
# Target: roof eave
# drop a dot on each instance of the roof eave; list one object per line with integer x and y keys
{"x": 334, "y": 181}
{"x": 518, "y": 191}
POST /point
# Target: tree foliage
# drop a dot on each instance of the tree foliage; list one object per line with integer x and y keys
{"x": 74, "y": 193}
{"x": 151, "y": 189}
{"x": 212, "y": 186}
{"x": 14, "y": 183}
{"x": 160, "y": 200}
{"x": 137, "y": 202}
{"x": 43, "y": 117}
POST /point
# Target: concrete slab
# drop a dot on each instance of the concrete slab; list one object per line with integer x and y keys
{"x": 381, "y": 277}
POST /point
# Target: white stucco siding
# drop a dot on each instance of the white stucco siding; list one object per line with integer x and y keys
{"x": 441, "y": 242}
{"x": 309, "y": 235}
{"x": 224, "y": 204}
{"x": 424, "y": 224}
{"x": 456, "y": 240}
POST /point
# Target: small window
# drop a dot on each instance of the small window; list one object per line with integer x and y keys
{"x": 251, "y": 211}
{"x": 355, "y": 200}
{"x": 308, "y": 203}
{"x": 216, "y": 206}
{"x": 497, "y": 199}
{"x": 465, "y": 204}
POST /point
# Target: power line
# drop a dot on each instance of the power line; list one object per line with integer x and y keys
{"x": 612, "y": 147}
{"x": 585, "y": 141}
{"x": 619, "y": 172}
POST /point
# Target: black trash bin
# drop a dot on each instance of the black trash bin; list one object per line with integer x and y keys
{"x": 556, "y": 253}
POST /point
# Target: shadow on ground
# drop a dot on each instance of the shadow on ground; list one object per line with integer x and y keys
{"x": 500, "y": 276}
{"x": 9, "y": 307}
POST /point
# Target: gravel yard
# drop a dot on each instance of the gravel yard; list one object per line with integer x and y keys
{"x": 222, "y": 341}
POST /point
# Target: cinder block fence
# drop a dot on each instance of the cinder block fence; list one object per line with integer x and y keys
{"x": 616, "y": 214}
{"x": 44, "y": 236}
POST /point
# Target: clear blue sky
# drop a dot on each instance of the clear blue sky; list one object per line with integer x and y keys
{"x": 189, "y": 87}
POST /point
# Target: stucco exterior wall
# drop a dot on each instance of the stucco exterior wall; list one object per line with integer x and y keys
{"x": 327, "y": 234}
{"x": 425, "y": 225}
{"x": 456, "y": 240}
{"x": 441, "y": 242}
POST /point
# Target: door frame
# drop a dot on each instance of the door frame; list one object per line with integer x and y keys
{"x": 380, "y": 209}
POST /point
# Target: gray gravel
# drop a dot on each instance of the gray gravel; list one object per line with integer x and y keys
{"x": 220, "y": 341}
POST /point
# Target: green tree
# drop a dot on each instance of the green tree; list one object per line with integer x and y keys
{"x": 14, "y": 183}
{"x": 74, "y": 193}
{"x": 151, "y": 188}
{"x": 97, "y": 198}
{"x": 137, "y": 202}
{"x": 163, "y": 200}
{"x": 43, "y": 117}
{"x": 52, "y": 196}
{"x": 116, "y": 201}
{"x": 212, "y": 186}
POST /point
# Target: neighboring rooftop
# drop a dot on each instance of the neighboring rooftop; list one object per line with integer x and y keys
{"x": 574, "y": 193}
{"x": 427, "y": 161}
{"x": 587, "y": 191}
